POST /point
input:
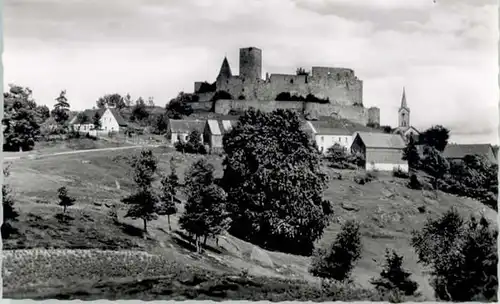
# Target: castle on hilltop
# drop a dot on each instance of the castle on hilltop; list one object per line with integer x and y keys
{"x": 324, "y": 91}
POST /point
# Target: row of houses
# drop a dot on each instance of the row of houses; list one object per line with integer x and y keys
{"x": 381, "y": 151}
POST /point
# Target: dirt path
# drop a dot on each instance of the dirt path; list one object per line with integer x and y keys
{"x": 38, "y": 155}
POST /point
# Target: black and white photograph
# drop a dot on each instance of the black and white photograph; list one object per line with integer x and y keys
{"x": 259, "y": 150}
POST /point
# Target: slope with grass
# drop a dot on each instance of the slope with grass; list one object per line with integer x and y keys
{"x": 387, "y": 210}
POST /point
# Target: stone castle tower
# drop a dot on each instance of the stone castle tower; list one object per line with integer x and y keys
{"x": 404, "y": 112}
{"x": 251, "y": 63}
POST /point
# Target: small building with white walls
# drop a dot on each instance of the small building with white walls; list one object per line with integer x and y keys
{"x": 179, "y": 129}
{"x": 110, "y": 119}
{"x": 326, "y": 137}
{"x": 381, "y": 151}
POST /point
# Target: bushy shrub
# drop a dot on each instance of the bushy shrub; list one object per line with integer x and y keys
{"x": 339, "y": 260}
{"x": 339, "y": 158}
{"x": 366, "y": 177}
{"x": 393, "y": 277}
{"x": 414, "y": 183}
{"x": 400, "y": 173}
{"x": 462, "y": 256}
{"x": 193, "y": 145}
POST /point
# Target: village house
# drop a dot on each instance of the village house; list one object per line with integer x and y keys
{"x": 179, "y": 129}
{"x": 214, "y": 131}
{"x": 381, "y": 151}
{"x": 456, "y": 152}
{"x": 326, "y": 137}
{"x": 110, "y": 120}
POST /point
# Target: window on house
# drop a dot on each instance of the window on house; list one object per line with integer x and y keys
{"x": 291, "y": 81}
{"x": 322, "y": 138}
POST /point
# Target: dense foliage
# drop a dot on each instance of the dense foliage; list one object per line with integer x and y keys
{"x": 338, "y": 261}
{"x": 169, "y": 186}
{"x": 113, "y": 100}
{"x": 410, "y": 154}
{"x": 10, "y": 214}
{"x": 144, "y": 202}
{"x": 286, "y": 96}
{"x": 274, "y": 182}
{"x": 65, "y": 200}
{"x": 436, "y": 137}
{"x": 462, "y": 256}
{"x": 193, "y": 145}
{"x": 393, "y": 277}
{"x": 434, "y": 164}
{"x": 179, "y": 107}
{"x": 22, "y": 119}
{"x": 61, "y": 109}
{"x": 205, "y": 210}
{"x": 339, "y": 158}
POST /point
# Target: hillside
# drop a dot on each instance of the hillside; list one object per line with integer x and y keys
{"x": 386, "y": 209}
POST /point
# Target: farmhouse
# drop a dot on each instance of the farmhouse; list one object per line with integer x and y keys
{"x": 179, "y": 129}
{"x": 381, "y": 151}
{"x": 109, "y": 118}
{"x": 456, "y": 152}
{"x": 214, "y": 131}
{"x": 326, "y": 136}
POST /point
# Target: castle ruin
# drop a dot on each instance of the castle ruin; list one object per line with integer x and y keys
{"x": 339, "y": 89}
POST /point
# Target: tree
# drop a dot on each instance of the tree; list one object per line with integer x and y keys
{"x": 436, "y": 137}
{"x": 168, "y": 191}
{"x": 393, "y": 277}
{"x": 42, "y": 114}
{"x": 435, "y": 164}
{"x": 151, "y": 102}
{"x": 221, "y": 95}
{"x": 128, "y": 100}
{"x": 113, "y": 100}
{"x": 64, "y": 199}
{"x": 62, "y": 101}
{"x": 143, "y": 203}
{"x": 274, "y": 182}
{"x": 205, "y": 213}
{"x": 160, "y": 124}
{"x": 9, "y": 212}
{"x": 83, "y": 118}
{"x": 61, "y": 109}
{"x": 179, "y": 107}
{"x": 462, "y": 256}
{"x": 338, "y": 262}
{"x": 139, "y": 111}
{"x": 193, "y": 144}
{"x": 410, "y": 154}
{"x": 22, "y": 128}
{"x": 96, "y": 121}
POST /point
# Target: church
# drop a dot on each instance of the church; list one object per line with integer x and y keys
{"x": 405, "y": 129}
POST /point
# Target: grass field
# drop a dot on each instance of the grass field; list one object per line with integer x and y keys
{"x": 386, "y": 209}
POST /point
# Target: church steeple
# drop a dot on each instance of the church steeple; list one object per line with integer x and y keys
{"x": 225, "y": 69}
{"x": 404, "y": 112}
{"x": 403, "y": 99}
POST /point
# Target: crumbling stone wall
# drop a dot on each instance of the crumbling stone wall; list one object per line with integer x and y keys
{"x": 312, "y": 110}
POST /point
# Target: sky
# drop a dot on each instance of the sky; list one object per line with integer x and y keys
{"x": 444, "y": 53}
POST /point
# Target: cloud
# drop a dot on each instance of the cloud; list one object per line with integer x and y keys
{"x": 444, "y": 53}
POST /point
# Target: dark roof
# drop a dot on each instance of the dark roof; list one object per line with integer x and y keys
{"x": 186, "y": 126}
{"x": 119, "y": 118}
{"x": 225, "y": 69}
{"x": 90, "y": 114}
{"x": 382, "y": 140}
{"x": 325, "y": 128}
{"x": 458, "y": 151}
